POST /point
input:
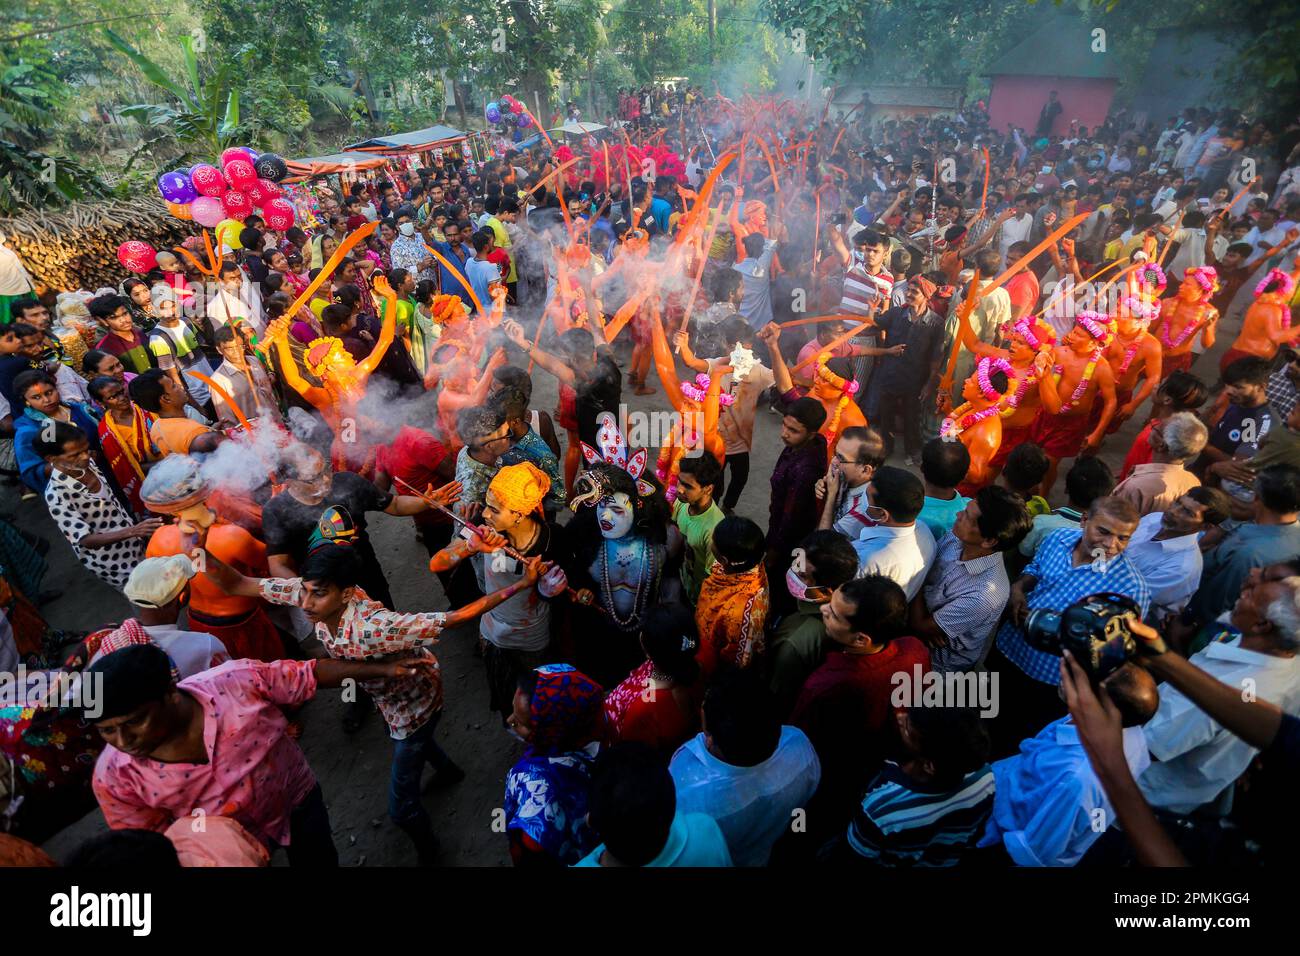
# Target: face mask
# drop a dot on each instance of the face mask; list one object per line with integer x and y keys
{"x": 795, "y": 585}
{"x": 407, "y": 228}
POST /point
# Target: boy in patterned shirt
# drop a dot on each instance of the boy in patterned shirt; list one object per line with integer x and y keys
{"x": 350, "y": 625}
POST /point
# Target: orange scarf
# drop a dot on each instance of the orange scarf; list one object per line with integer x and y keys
{"x": 731, "y": 614}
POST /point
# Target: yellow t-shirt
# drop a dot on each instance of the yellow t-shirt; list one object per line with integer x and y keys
{"x": 173, "y": 436}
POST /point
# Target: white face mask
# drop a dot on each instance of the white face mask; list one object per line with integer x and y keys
{"x": 407, "y": 228}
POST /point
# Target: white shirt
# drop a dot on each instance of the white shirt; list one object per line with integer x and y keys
{"x": 190, "y": 651}
{"x": 851, "y": 511}
{"x": 225, "y": 306}
{"x": 751, "y": 805}
{"x": 1197, "y": 757}
{"x": 72, "y": 387}
{"x": 1016, "y": 229}
{"x": 1171, "y": 568}
{"x": 903, "y": 555}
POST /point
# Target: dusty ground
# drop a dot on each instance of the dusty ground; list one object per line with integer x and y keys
{"x": 353, "y": 769}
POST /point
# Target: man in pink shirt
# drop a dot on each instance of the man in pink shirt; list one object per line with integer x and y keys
{"x": 216, "y": 744}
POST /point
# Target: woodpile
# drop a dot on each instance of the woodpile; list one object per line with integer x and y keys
{"x": 76, "y": 247}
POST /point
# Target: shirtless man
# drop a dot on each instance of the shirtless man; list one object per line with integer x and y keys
{"x": 977, "y": 423}
{"x": 1267, "y": 324}
{"x": 1185, "y": 315}
{"x": 1029, "y": 337}
{"x": 1066, "y": 425}
{"x": 828, "y": 388}
{"x": 1134, "y": 354}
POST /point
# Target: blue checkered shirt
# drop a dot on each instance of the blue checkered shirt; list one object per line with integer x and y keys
{"x": 1060, "y": 584}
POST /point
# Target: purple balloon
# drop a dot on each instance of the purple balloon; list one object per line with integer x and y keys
{"x": 176, "y": 187}
{"x": 494, "y": 114}
{"x": 523, "y": 121}
{"x": 252, "y": 153}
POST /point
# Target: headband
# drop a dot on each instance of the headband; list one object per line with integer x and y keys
{"x": 985, "y": 368}
{"x": 1280, "y": 276}
{"x": 1204, "y": 276}
{"x": 521, "y": 487}
{"x": 696, "y": 392}
{"x": 1098, "y": 325}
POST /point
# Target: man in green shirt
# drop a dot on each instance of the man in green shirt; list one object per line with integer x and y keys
{"x": 696, "y": 514}
{"x": 823, "y": 561}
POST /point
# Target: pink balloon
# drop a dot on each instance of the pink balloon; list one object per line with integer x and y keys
{"x": 278, "y": 213}
{"x": 137, "y": 256}
{"x": 237, "y": 205}
{"x": 234, "y": 153}
{"x": 207, "y": 211}
{"x": 208, "y": 180}
{"x": 263, "y": 191}
{"x": 240, "y": 174}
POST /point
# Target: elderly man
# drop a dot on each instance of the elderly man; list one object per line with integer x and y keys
{"x": 1164, "y": 548}
{"x": 1048, "y": 799}
{"x": 1156, "y": 485}
{"x": 1272, "y": 535}
{"x": 1198, "y": 759}
{"x": 1067, "y": 566}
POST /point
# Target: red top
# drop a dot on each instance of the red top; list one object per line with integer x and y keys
{"x": 1140, "y": 453}
{"x": 635, "y": 710}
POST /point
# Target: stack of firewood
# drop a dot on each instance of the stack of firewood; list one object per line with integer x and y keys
{"x": 76, "y": 248}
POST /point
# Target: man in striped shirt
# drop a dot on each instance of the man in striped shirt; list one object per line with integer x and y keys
{"x": 932, "y": 807}
{"x": 867, "y": 283}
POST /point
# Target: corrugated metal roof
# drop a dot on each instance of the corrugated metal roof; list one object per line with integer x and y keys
{"x": 412, "y": 140}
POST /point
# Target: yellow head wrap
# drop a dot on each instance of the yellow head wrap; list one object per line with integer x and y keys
{"x": 521, "y": 487}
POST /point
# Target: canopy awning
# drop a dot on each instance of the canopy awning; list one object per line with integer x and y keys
{"x": 578, "y": 129}
{"x": 417, "y": 141}
{"x": 306, "y": 168}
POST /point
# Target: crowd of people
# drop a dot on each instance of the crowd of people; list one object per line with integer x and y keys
{"x": 908, "y": 330}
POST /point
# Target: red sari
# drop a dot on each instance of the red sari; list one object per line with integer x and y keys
{"x": 128, "y": 450}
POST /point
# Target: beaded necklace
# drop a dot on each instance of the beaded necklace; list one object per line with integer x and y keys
{"x": 647, "y": 560}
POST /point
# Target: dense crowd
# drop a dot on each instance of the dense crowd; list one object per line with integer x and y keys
{"x": 944, "y": 319}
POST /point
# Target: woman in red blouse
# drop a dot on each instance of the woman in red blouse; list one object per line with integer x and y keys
{"x": 659, "y": 702}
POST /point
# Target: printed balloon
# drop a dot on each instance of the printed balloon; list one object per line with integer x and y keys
{"x": 207, "y": 210}
{"x": 523, "y": 121}
{"x": 228, "y": 156}
{"x": 272, "y": 167}
{"x": 137, "y": 256}
{"x": 240, "y": 174}
{"x": 262, "y": 191}
{"x": 180, "y": 210}
{"x": 177, "y": 188}
{"x": 237, "y": 205}
{"x": 278, "y": 213}
{"x": 493, "y": 113}
{"x": 208, "y": 180}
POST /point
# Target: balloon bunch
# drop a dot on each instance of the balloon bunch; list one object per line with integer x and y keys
{"x": 508, "y": 112}
{"x": 246, "y": 180}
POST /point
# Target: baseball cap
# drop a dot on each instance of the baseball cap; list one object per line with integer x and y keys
{"x": 156, "y": 582}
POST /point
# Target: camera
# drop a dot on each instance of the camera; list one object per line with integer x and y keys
{"x": 1096, "y": 629}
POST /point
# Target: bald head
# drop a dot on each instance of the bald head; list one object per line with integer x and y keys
{"x": 1134, "y": 694}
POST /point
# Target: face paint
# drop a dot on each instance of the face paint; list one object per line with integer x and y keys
{"x": 615, "y": 515}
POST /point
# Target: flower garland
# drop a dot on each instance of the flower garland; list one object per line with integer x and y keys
{"x": 1027, "y": 333}
{"x": 1082, "y": 387}
{"x": 1276, "y": 275}
{"x": 1152, "y": 277}
{"x": 1140, "y": 309}
{"x": 959, "y": 421}
{"x": 698, "y": 391}
{"x": 1188, "y": 331}
{"x": 1098, "y": 325}
{"x": 1014, "y": 400}
{"x": 848, "y": 389}
{"x": 1204, "y": 276}
{"x": 982, "y": 371}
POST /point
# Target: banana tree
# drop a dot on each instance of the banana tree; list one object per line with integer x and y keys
{"x": 205, "y": 116}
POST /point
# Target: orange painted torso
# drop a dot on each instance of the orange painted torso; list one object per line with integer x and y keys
{"x": 1266, "y": 313}
{"x": 233, "y": 545}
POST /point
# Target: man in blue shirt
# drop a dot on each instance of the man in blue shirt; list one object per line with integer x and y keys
{"x": 1067, "y": 566}
{"x": 756, "y": 278}
{"x": 660, "y": 208}
{"x": 458, "y": 252}
{"x": 1049, "y": 806}
{"x": 633, "y": 807}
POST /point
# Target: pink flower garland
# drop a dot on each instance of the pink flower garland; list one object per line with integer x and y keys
{"x": 1276, "y": 275}
{"x": 1151, "y": 276}
{"x": 1204, "y": 276}
{"x": 984, "y": 369}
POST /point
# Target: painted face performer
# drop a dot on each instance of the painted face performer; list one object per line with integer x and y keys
{"x": 1268, "y": 320}
{"x": 176, "y": 487}
{"x": 1134, "y": 354}
{"x": 977, "y": 424}
{"x": 1185, "y": 315}
{"x": 342, "y": 379}
{"x": 1066, "y": 425}
{"x": 619, "y": 540}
